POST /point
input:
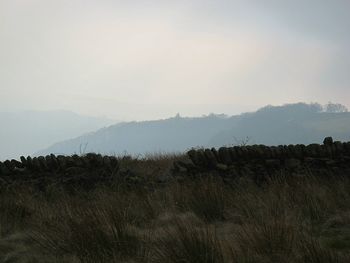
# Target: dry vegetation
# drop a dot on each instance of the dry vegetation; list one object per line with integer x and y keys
{"x": 202, "y": 219}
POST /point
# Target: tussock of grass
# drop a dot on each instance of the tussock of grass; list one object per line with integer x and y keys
{"x": 13, "y": 213}
{"x": 184, "y": 242}
{"x": 313, "y": 252}
{"x": 93, "y": 232}
{"x": 273, "y": 239}
{"x": 205, "y": 197}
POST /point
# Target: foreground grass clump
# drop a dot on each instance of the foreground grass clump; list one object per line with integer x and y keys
{"x": 91, "y": 234}
{"x": 205, "y": 197}
{"x": 202, "y": 219}
{"x": 184, "y": 242}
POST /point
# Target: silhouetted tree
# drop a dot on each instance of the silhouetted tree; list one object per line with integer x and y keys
{"x": 335, "y": 108}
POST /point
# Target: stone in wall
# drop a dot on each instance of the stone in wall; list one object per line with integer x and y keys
{"x": 24, "y": 161}
{"x": 328, "y": 141}
{"x": 216, "y": 154}
{"x": 16, "y": 164}
{"x": 3, "y": 169}
{"x": 42, "y": 163}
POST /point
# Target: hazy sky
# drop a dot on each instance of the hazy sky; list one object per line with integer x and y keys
{"x": 151, "y": 59}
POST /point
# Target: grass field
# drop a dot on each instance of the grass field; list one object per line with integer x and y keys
{"x": 303, "y": 218}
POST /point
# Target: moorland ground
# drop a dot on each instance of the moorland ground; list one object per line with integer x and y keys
{"x": 304, "y": 218}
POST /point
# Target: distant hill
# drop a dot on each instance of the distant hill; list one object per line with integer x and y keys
{"x": 287, "y": 124}
{"x": 25, "y": 132}
{"x": 168, "y": 135}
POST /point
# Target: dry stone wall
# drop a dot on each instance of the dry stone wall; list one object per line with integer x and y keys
{"x": 68, "y": 170}
{"x": 260, "y": 160}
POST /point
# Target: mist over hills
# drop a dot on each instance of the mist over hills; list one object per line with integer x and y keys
{"x": 168, "y": 135}
{"x": 287, "y": 124}
{"x": 25, "y": 132}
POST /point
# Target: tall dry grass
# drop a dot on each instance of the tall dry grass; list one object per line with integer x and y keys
{"x": 284, "y": 219}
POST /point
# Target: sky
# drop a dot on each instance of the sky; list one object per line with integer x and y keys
{"x": 140, "y": 60}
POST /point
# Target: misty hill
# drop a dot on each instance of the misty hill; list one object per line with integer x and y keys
{"x": 289, "y": 124}
{"x": 169, "y": 135}
{"x": 25, "y": 132}
{"x": 292, "y": 123}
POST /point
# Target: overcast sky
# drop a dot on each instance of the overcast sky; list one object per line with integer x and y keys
{"x": 136, "y": 60}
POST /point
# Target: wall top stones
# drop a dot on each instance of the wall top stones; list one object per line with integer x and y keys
{"x": 281, "y": 156}
{"x": 59, "y": 164}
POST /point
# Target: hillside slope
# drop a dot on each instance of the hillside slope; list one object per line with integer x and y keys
{"x": 294, "y": 123}
{"x": 169, "y": 135}
{"x": 288, "y": 124}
